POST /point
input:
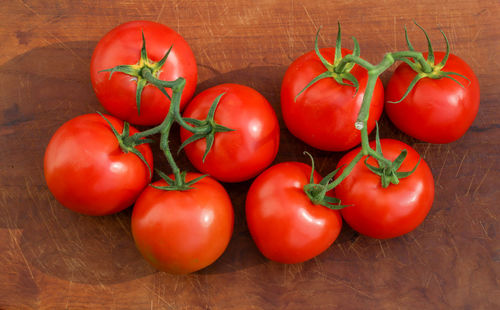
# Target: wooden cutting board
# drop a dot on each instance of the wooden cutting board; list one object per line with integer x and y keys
{"x": 52, "y": 258}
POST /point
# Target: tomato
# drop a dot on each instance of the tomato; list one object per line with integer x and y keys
{"x": 436, "y": 110}
{"x": 183, "y": 231}
{"x": 122, "y": 46}
{"x": 285, "y": 225}
{"x": 323, "y": 116}
{"x": 87, "y": 171}
{"x": 240, "y": 154}
{"x": 389, "y": 212}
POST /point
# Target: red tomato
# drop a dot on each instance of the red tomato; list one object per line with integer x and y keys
{"x": 86, "y": 170}
{"x": 389, "y": 212}
{"x": 183, "y": 231}
{"x": 240, "y": 154}
{"x": 323, "y": 116}
{"x": 285, "y": 225}
{"x": 436, "y": 110}
{"x": 122, "y": 46}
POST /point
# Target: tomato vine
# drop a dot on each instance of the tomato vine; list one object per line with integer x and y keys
{"x": 145, "y": 73}
{"x": 387, "y": 169}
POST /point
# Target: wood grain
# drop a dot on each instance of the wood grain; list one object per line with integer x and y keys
{"x": 52, "y": 258}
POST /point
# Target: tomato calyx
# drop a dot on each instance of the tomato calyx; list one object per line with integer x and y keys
{"x": 429, "y": 69}
{"x": 139, "y": 72}
{"x": 128, "y": 143}
{"x": 206, "y": 128}
{"x": 179, "y": 184}
{"x": 317, "y": 191}
{"x": 173, "y": 115}
{"x": 388, "y": 170}
{"x": 339, "y": 71}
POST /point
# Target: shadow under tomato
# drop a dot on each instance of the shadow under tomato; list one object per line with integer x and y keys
{"x": 50, "y": 85}
{"x": 42, "y": 89}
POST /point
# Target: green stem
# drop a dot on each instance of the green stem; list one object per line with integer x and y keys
{"x": 148, "y": 132}
{"x": 164, "y": 146}
{"x": 347, "y": 170}
{"x": 148, "y": 75}
{"x": 173, "y": 115}
{"x": 374, "y": 71}
{"x": 426, "y": 67}
{"x": 157, "y": 129}
{"x": 177, "y": 87}
{"x": 350, "y": 58}
{"x": 364, "y": 112}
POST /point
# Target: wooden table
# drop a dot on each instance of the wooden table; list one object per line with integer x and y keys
{"x": 52, "y": 258}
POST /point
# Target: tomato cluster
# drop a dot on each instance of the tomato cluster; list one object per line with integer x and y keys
{"x": 331, "y": 99}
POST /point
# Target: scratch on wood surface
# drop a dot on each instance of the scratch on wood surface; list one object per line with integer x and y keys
{"x": 209, "y": 60}
{"x": 66, "y": 47}
{"x": 291, "y": 272}
{"x": 415, "y": 241}
{"x": 457, "y": 198}
{"x": 482, "y": 180}
{"x": 444, "y": 163}
{"x": 177, "y": 284}
{"x": 344, "y": 283}
{"x": 30, "y": 8}
{"x": 428, "y": 281}
{"x": 381, "y": 248}
{"x": 206, "y": 21}
{"x": 440, "y": 288}
{"x": 461, "y": 162}
{"x": 104, "y": 231}
{"x": 454, "y": 245}
{"x": 360, "y": 292}
{"x": 427, "y": 150}
{"x": 341, "y": 248}
{"x": 312, "y": 21}
{"x": 170, "y": 305}
{"x": 195, "y": 282}
{"x": 123, "y": 226}
{"x": 28, "y": 184}
{"x": 475, "y": 37}
{"x": 319, "y": 265}
{"x": 49, "y": 230}
{"x": 16, "y": 242}
{"x": 470, "y": 184}
{"x": 354, "y": 242}
{"x": 484, "y": 230}
{"x": 59, "y": 41}
{"x": 490, "y": 214}
{"x": 161, "y": 12}
{"x": 353, "y": 248}
{"x": 240, "y": 272}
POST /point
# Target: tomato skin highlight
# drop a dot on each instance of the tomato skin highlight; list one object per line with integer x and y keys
{"x": 285, "y": 225}
{"x": 183, "y": 231}
{"x": 389, "y": 212}
{"x": 86, "y": 170}
{"x": 241, "y": 154}
{"x": 323, "y": 116}
{"x": 436, "y": 110}
{"x": 122, "y": 46}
